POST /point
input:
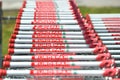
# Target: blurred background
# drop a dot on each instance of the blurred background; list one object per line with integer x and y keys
{"x": 11, "y": 7}
{"x": 15, "y": 4}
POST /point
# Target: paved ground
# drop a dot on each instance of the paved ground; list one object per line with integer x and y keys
{"x": 16, "y": 4}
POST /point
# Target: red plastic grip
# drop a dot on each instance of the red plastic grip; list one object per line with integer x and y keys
{"x": 104, "y": 56}
{"x": 11, "y": 45}
{"x": 107, "y": 63}
{"x": 13, "y": 35}
{"x": 110, "y": 72}
{"x": 6, "y": 64}
{"x": 2, "y": 72}
{"x": 11, "y": 40}
{"x": 10, "y": 51}
{"x": 7, "y": 57}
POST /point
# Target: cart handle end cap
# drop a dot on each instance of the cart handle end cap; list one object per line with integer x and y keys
{"x": 18, "y": 21}
{"x": 2, "y": 72}
{"x": 17, "y": 26}
{"x": 91, "y": 40}
{"x": 12, "y": 40}
{"x": 103, "y": 56}
{"x": 88, "y": 26}
{"x": 13, "y": 36}
{"x": 7, "y": 57}
{"x": 102, "y": 49}
{"x": 11, "y": 45}
{"x": 15, "y": 32}
{"x": 110, "y": 72}
{"x": 19, "y": 16}
{"x": 84, "y": 20}
{"x": 107, "y": 63}
{"x": 92, "y": 45}
{"x": 6, "y": 64}
{"x": 10, "y": 51}
{"x": 87, "y": 36}
{"x": 89, "y": 32}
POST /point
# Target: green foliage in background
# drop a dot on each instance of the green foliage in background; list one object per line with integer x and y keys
{"x": 8, "y": 25}
{"x": 98, "y": 10}
{"x": 7, "y": 29}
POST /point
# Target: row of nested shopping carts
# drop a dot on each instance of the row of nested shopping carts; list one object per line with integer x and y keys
{"x": 53, "y": 41}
